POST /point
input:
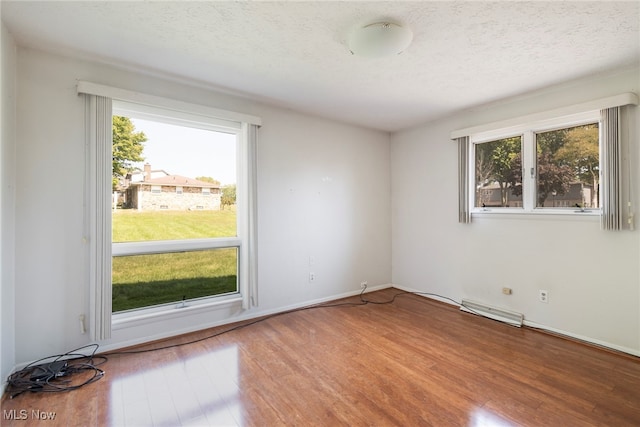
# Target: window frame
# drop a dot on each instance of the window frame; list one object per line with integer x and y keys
{"x": 483, "y": 139}
{"x": 98, "y": 130}
{"x": 528, "y": 130}
{"x": 184, "y": 119}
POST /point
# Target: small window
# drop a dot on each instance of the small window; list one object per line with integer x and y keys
{"x": 568, "y": 167}
{"x": 498, "y": 173}
{"x": 156, "y": 189}
{"x": 206, "y": 191}
{"x": 550, "y": 166}
{"x": 178, "y": 190}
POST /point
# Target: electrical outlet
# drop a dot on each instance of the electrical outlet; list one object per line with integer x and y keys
{"x": 543, "y": 296}
{"x": 507, "y": 291}
{"x": 312, "y": 277}
{"x": 363, "y": 284}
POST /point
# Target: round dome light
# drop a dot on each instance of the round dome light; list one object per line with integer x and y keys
{"x": 379, "y": 40}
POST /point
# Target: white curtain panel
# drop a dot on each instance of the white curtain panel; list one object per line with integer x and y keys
{"x": 98, "y": 124}
{"x": 252, "y": 188}
{"x": 611, "y": 218}
{"x": 464, "y": 213}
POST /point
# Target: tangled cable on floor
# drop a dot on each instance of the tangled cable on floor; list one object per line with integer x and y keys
{"x": 59, "y": 373}
{"x": 53, "y": 373}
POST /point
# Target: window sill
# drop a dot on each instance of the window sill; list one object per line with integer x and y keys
{"x": 564, "y": 214}
{"x": 133, "y": 318}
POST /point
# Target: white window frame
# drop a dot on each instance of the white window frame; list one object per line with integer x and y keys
{"x": 610, "y": 166}
{"x": 99, "y": 111}
{"x": 528, "y": 131}
{"x": 481, "y": 139}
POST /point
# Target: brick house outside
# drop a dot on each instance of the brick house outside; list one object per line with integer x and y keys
{"x": 169, "y": 192}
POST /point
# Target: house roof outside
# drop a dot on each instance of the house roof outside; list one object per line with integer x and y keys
{"x": 139, "y": 175}
{"x": 176, "y": 181}
{"x": 150, "y": 176}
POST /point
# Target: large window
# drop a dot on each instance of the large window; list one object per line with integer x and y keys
{"x": 170, "y": 199}
{"x": 168, "y": 177}
{"x": 552, "y": 165}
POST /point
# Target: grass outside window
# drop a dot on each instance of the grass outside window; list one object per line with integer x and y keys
{"x": 145, "y": 280}
{"x": 130, "y": 225}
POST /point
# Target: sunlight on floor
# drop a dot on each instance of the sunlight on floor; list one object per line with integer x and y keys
{"x": 201, "y": 390}
{"x": 481, "y": 417}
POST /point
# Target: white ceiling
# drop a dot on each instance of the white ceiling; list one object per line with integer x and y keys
{"x": 292, "y": 54}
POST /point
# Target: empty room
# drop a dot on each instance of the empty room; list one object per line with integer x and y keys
{"x": 320, "y": 213}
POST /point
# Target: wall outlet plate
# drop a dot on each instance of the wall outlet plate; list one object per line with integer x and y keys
{"x": 543, "y": 296}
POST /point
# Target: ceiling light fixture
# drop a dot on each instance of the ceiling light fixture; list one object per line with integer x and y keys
{"x": 379, "y": 40}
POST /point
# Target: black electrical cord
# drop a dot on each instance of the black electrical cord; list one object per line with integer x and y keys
{"x": 393, "y": 298}
{"x": 50, "y": 374}
{"x": 362, "y": 302}
{"x": 243, "y": 325}
{"x": 41, "y": 376}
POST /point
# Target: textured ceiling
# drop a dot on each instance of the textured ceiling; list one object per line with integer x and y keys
{"x": 292, "y": 54}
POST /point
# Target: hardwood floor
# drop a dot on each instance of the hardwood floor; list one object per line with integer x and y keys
{"x": 414, "y": 362}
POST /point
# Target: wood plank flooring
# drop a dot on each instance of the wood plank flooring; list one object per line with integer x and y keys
{"x": 414, "y": 362}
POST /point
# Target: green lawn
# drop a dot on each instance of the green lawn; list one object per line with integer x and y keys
{"x": 130, "y": 225}
{"x": 145, "y": 280}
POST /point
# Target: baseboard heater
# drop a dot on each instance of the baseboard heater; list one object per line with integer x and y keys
{"x": 495, "y": 313}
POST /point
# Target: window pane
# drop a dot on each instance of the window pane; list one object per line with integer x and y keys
{"x": 172, "y": 182}
{"x": 130, "y": 225}
{"x": 146, "y": 280}
{"x": 498, "y": 175}
{"x": 568, "y": 167}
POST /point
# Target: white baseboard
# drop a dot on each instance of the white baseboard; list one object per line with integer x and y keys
{"x": 253, "y": 315}
{"x": 248, "y": 316}
{"x": 588, "y": 340}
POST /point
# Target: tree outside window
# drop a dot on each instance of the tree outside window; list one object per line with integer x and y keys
{"x": 565, "y": 171}
{"x": 568, "y": 166}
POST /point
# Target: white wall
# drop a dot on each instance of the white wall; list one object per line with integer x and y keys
{"x": 592, "y": 276}
{"x": 7, "y": 202}
{"x": 323, "y": 191}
